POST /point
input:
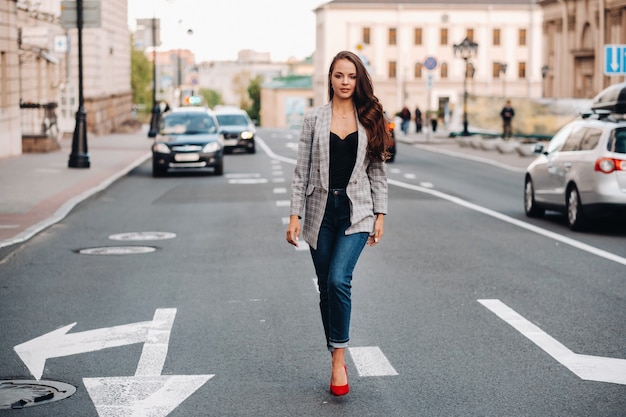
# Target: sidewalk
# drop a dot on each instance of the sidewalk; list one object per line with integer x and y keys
{"x": 460, "y": 147}
{"x": 38, "y": 189}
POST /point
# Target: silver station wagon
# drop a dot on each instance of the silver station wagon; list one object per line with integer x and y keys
{"x": 581, "y": 171}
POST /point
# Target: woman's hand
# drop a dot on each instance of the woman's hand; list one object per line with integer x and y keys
{"x": 379, "y": 226}
{"x": 293, "y": 230}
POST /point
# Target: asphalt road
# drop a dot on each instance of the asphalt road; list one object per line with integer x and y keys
{"x": 225, "y": 311}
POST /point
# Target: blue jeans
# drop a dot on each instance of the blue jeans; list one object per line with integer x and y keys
{"x": 334, "y": 260}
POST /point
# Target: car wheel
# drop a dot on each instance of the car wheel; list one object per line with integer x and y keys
{"x": 158, "y": 171}
{"x": 530, "y": 205}
{"x": 575, "y": 215}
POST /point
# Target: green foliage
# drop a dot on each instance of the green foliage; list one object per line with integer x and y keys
{"x": 211, "y": 97}
{"x": 140, "y": 77}
{"x": 254, "y": 91}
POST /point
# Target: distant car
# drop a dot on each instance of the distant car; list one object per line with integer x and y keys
{"x": 238, "y": 129}
{"x": 392, "y": 132}
{"x": 188, "y": 138}
{"x": 582, "y": 170}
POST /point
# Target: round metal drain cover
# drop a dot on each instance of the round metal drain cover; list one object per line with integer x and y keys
{"x": 18, "y": 394}
{"x": 143, "y": 236}
{"x": 117, "y": 250}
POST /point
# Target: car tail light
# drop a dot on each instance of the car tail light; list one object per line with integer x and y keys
{"x": 608, "y": 165}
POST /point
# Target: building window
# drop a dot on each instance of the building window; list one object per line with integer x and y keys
{"x": 444, "y": 70}
{"x": 470, "y": 34}
{"x": 521, "y": 70}
{"x": 366, "y": 36}
{"x": 418, "y": 70}
{"x": 496, "y": 37}
{"x": 392, "y": 69}
{"x": 443, "y": 36}
{"x": 498, "y": 70}
{"x": 392, "y": 36}
{"x": 417, "y": 36}
{"x": 522, "y": 37}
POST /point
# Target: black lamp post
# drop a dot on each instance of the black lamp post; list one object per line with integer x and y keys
{"x": 156, "y": 109}
{"x": 79, "y": 158}
{"x": 466, "y": 49}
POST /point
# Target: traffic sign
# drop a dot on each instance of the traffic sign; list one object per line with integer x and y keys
{"x": 614, "y": 59}
{"x": 91, "y": 14}
{"x": 430, "y": 63}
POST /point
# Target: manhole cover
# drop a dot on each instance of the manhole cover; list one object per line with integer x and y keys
{"x": 117, "y": 250}
{"x": 143, "y": 236}
{"x": 18, "y": 394}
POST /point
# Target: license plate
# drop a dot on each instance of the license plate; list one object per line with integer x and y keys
{"x": 230, "y": 142}
{"x": 186, "y": 157}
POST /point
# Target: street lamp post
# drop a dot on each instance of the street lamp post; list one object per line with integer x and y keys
{"x": 466, "y": 49}
{"x": 156, "y": 109}
{"x": 79, "y": 157}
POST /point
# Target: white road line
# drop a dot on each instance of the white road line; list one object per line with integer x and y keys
{"x": 590, "y": 368}
{"x": 410, "y": 176}
{"x": 370, "y": 361}
{"x": 248, "y": 181}
{"x": 280, "y": 190}
{"x": 530, "y": 227}
{"x": 285, "y": 220}
{"x": 282, "y": 203}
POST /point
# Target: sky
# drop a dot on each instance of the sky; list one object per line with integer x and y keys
{"x": 221, "y": 28}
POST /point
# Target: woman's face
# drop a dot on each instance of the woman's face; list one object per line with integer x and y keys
{"x": 343, "y": 79}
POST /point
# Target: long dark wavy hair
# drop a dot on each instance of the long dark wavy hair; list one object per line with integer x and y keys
{"x": 368, "y": 107}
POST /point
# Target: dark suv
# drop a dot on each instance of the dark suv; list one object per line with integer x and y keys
{"x": 238, "y": 129}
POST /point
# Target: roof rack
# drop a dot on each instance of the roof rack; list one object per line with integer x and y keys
{"x": 600, "y": 114}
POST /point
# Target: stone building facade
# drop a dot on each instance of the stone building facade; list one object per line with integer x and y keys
{"x": 574, "y": 33}
{"x": 39, "y": 74}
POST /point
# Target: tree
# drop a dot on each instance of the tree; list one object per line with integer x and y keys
{"x": 140, "y": 78}
{"x": 254, "y": 91}
{"x": 211, "y": 97}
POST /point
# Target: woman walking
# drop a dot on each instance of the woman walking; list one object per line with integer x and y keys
{"x": 339, "y": 186}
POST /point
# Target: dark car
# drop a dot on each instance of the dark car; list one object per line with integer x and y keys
{"x": 238, "y": 129}
{"x": 188, "y": 138}
{"x": 392, "y": 148}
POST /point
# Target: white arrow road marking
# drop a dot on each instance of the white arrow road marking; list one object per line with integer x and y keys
{"x": 590, "y": 368}
{"x": 148, "y": 393}
{"x": 370, "y": 361}
{"x": 57, "y": 343}
{"x": 141, "y": 396}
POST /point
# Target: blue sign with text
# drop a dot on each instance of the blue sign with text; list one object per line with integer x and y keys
{"x": 614, "y": 59}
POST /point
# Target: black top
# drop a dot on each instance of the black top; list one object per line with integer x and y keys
{"x": 342, "y": 158}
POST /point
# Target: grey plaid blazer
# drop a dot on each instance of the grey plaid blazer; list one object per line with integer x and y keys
{"x": 366, "y": 190}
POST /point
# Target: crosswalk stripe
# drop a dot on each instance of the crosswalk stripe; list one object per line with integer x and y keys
{"x": 370, "y": 361}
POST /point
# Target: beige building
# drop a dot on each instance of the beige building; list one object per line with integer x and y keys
{"x": 39, "y": 74}
{"x": 574, "y": 33}
{"x": 395, "y": 39}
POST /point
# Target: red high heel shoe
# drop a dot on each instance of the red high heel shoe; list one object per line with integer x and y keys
{"x": 339, "y": 390}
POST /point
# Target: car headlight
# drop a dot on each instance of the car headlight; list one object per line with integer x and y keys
{"x": 160, "y": 148}
{"x": 247, "y": 134}
{"x": 211, "y": 147}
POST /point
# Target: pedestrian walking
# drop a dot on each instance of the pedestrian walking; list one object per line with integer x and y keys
{"x": 418, "y": 120}
{"x": 507, "y": 113}
{"x": 339, "y": 186}
{"x": 405, "y": 115}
